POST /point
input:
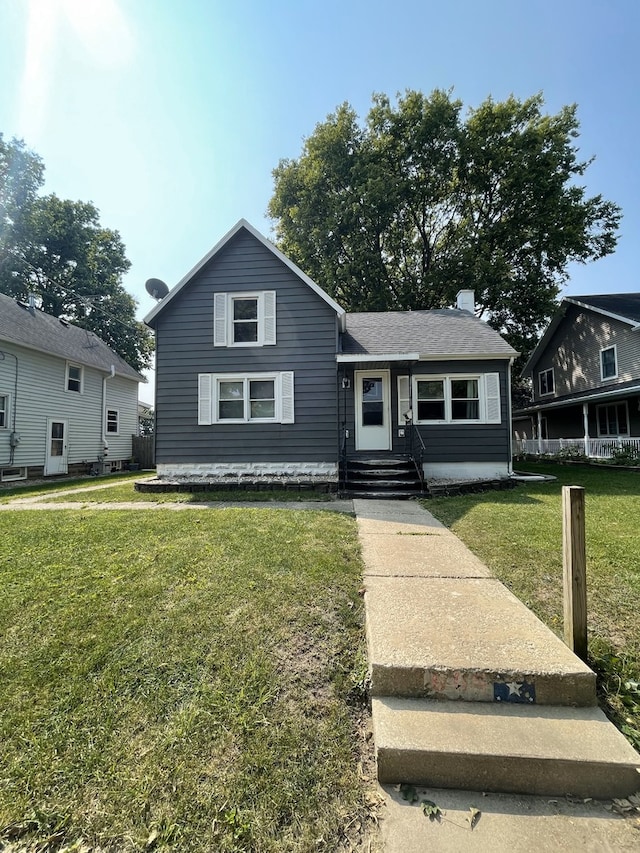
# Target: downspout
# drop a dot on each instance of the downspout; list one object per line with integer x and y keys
{"x": 105, "y": 443}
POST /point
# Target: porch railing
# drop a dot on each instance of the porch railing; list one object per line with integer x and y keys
{"x": 597, "y": 448}
{"x": 417, "y": 449}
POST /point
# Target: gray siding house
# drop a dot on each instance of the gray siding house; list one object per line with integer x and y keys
{"x": 585, "y": 373}
{"x": 260, "y": 373}
{"x": 68, "y": 403}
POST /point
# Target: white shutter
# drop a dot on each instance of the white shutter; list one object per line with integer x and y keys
{"x": 286, "y": 397}
{"x": 404, "y": 398}
{"x": 269, "y": 303}
{"x": 220, "y": 320}
{"x": 205, "y": 385}
{"x": 492, "y": 398}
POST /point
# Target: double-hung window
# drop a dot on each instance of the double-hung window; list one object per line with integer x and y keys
{"x": 457, "y": 399}
{"x": 248, "y": 398}
{"x": 74, "y": 378}
{"x": 4, "y": 411}
{"x": 244, "y": 319}
{"x": 546, "y": 382}
{"x": 113, "y": 421}
{"x": 608, "y": 363}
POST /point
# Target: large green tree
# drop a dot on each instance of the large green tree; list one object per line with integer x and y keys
{"x": 418, "y": 202}
{"x": 58, "y": 250}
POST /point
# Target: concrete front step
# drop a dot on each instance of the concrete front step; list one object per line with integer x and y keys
{"x": 465, "y": 638}
{"x": 551, "y": 751}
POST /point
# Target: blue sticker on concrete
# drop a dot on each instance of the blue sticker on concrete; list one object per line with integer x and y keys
{"x": 514, "y": 691}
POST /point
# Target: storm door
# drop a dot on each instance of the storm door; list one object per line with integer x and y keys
{"x": 56, "y": 457}
{"x": 373, "y": 410}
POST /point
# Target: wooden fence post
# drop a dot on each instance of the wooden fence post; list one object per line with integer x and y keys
{"x": 575, "y": 570}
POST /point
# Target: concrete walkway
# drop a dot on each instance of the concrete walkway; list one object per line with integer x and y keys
{"x": 440, "y": 627}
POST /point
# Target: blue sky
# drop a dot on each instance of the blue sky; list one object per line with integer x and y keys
{"x": 171, "y": 114}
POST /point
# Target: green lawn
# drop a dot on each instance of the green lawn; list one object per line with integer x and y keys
{"x": 185, "y": 682}
{"x": 125, "y": 491}
{"x": 518, "y": 534}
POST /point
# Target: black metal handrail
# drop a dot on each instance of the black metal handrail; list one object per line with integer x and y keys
{"x": 418, "y": 451}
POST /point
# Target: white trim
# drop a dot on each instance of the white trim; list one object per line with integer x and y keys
{"x": 404, "y": 398}
{"x": 627, "y": 320}
{"x": 308, "y": 470}
{"x": 7, "y": 410}
{"x": 614, "y": 347}
{"x": 575, "y": 401}
{"x": 373, "y": 437}
{"x": 341, "y": 358}
{"x": 242, "y": 223}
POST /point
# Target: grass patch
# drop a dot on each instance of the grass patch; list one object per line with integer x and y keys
{"x": 518, "y": 534}
{"x": 57, "y": 485}
{"x": 181, "y": 682}
{"x": 126, "y": 492}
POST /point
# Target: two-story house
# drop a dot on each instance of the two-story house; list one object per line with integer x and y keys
{"x": 260, "y": 373}
{"x": 68, "y": 403}
{"x": 585, "y": 373}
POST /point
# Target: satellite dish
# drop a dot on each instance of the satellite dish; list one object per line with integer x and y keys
{"x": 156, "y": 288}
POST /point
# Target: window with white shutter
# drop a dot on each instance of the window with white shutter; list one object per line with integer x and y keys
{"x": 244, "y": 319}
{"x": 246, "y": 398}
{"x": 457, "y": 398}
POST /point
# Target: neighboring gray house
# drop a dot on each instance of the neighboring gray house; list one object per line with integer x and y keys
{"x": 260, "y": 373}
{"x": 585, "y": 373}
{"x": 68, "y": 403}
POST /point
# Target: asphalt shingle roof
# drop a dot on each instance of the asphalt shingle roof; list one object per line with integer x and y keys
{"x": 48, "y": 334}
{"x": 439, "y": 332}
{"x": 623, "y": 304}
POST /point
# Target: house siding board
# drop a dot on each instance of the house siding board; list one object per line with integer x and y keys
{"x": 573, "y": 352}
{"x": 42, "y": 395}
{"x": 306, "y": 343}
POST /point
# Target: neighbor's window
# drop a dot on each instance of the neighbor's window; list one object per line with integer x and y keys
{"x": 547, "y": 385}
{"x": 244, "y": 319}
{"x": 4, "y": 411}
{"x": 613, "y": 420}
{"x": 74, "y": 378}
{"x": 254, "y": 397}
{"x": 112, "y": 421}
{"x": 608, "y": 363}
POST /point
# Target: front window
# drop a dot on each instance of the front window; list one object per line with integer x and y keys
{"x": 430, "y": 400}
{"x": 613, "y": 420}
{"x": 608, "y": 363}
{"x": 74, "y": 378}
{"x": 253, "y": 397}
{"x": 4, "y": 411}
{"x": 244, "y": 319}
{"x": 465, "y": 400}
{"x": 112, "y": 421}
{"x": 547, "y": 384}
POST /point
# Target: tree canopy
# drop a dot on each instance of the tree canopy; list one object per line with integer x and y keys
{"x": 416, "y": 203}
{"x": 58, "y": 250}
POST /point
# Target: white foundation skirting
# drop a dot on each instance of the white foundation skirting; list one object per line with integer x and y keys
{"x": 465, "y": 470}
{"x": 237, "y": 470}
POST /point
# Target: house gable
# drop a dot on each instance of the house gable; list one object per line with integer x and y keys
{"x": 578, "y": 350}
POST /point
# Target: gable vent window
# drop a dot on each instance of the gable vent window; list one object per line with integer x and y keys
{"x": 74, "y": 378}
{"x": 609, "y": 363}
{"x": 244, "y": 319}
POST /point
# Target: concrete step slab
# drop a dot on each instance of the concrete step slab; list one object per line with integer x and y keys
{"x": 466, "y": 638}
{"x": 390, "y": 510}
{"x": 551, "y": 751}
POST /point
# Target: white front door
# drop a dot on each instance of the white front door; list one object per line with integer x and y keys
{"x": 373, "y": 410}
{"x": 56, "y": 458}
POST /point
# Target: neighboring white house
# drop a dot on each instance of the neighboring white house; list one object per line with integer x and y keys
{"x": 68, "y": 403}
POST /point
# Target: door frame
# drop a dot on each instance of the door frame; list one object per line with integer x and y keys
{"x": 57, "y": 464}
{"x": 385, "y": 430}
